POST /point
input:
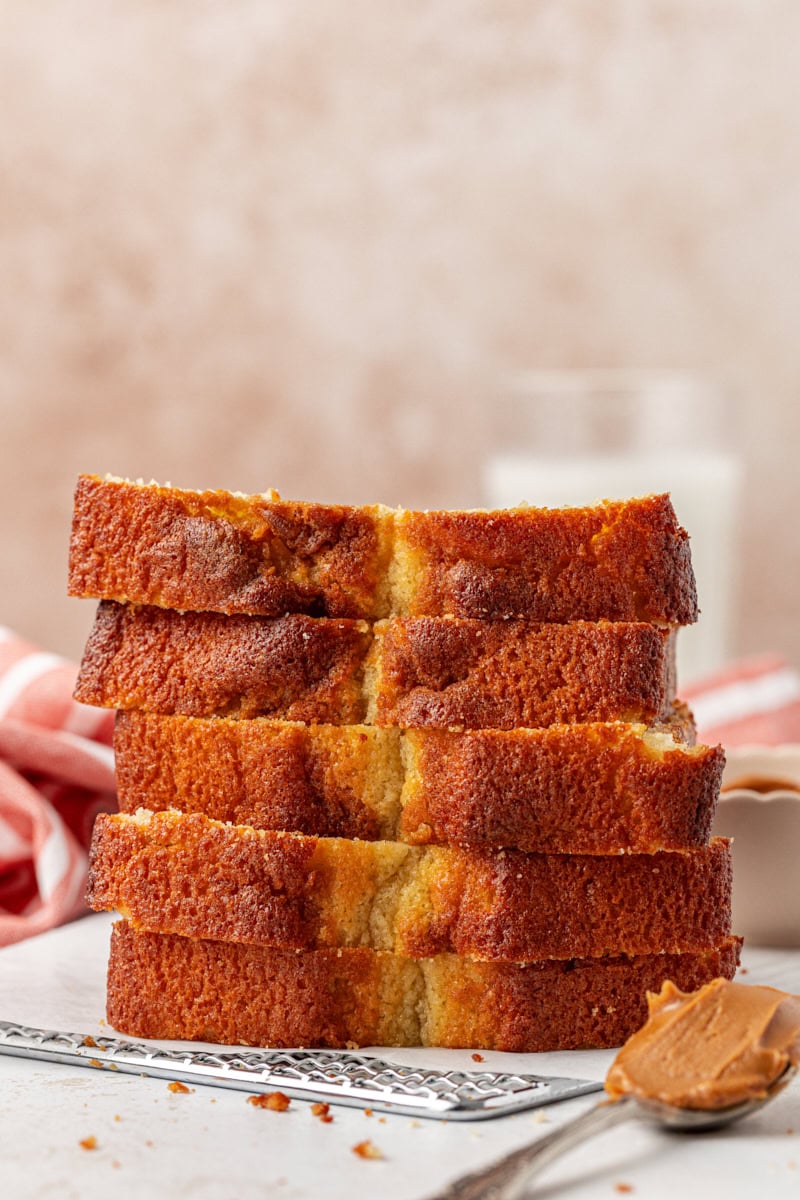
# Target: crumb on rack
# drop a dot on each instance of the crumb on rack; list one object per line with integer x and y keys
{"x": 88, "y": 1041}
{"x": 179, "y": 1088}
{"x": 275, "y": 1101}
{"x": 367, "y": 1149}
{"x": 88, "y": 1143}
{"x": 95, "y": 1062}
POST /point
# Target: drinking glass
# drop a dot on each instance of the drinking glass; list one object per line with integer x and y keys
{"x": 574, "y": 437}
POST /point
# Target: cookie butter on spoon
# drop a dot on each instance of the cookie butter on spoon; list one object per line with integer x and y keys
{"x": 710, "y": 1049}
{"x": 703, "y": 1060}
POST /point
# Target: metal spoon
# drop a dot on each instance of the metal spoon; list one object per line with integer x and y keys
{"x": 507, "y": 1178}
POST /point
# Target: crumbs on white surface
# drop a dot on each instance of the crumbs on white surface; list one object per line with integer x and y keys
{"x": 367, "y": 1149}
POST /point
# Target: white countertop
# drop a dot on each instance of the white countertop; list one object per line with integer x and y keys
{"x": 212, "y": 1145}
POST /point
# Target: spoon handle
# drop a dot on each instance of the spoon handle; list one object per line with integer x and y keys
{"x": 506, "y": 1178}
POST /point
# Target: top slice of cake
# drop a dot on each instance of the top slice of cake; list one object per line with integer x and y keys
{"x": 223, "y": 552}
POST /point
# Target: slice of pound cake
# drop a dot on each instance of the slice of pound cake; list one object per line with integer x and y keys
{"x": 165, "y": 986}
{"x": 620, "y": 560}
{"x": 568, "y": 789}
{"x": 191, "y": 875}
{"x": 411, "y": 672}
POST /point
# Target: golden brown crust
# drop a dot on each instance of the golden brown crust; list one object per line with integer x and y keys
{"x": 583, "y": 789}
{"x": 506, "y": 674}
{"x": 426, "y": 672}
{"x": 620, "y": 560}
{"x": 232, "y": 554}
{"x": 196, "y": 877}
{"x": 295, "y": 668}
{"x": 164, "y": 986}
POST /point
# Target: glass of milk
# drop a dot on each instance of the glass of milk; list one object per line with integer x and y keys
{"x": 574, "y": 437}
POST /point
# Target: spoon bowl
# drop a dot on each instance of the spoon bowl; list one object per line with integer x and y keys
{"x": 696, "y": 1120}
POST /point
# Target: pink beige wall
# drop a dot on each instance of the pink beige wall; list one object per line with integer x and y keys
{"x": 304, "y": 245}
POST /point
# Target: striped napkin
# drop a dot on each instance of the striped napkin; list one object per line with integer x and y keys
{"x": 755, "y": 701}
{"x": 56, "y": 774}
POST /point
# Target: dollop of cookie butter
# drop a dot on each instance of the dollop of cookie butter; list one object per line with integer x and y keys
{"x": 709, "y": 1049}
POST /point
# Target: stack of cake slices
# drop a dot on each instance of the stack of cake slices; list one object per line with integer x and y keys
{"x": 392, "y": 777}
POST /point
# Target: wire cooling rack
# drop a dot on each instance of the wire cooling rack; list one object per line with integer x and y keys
{"x": 357, "y": 1080}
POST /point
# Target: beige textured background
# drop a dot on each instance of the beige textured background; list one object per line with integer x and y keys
{"x": 304, "y": 244}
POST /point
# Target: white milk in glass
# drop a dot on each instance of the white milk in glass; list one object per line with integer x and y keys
{"x": 704, "y": 486}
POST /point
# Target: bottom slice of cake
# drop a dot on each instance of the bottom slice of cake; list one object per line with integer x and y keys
{"x": 167, "y": 986}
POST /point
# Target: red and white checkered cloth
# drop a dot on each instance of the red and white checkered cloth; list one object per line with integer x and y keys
{"x": 56, "y": 774}
{"x": 753, "y": 702}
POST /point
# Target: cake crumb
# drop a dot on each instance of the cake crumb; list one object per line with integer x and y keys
{"x": 623, "y": 1187}
{"x": 478, "y": 1058}
{"x": 95, "y": 1062}
{"x": 115, "y": 1163}
{"x": 367, "y": 1149}
{"x": 89, "y": 1041}
{"x": 275, "y": 1101}
{"x": 367, "y": 1112}
{"x": 743, "y": 971}
{"x": 179, "y": 1088}
{"x": 117, "y": 1117}
{"x": 88, "y": 1143}
{"x": 321, "y": 1110}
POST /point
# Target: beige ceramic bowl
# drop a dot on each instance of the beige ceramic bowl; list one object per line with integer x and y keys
{"x": 761, "y": 811}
